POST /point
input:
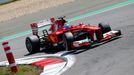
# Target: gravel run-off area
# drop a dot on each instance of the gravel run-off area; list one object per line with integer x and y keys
{"x": 24, "y": 7}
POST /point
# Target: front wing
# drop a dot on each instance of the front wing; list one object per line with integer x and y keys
{"x": 106, "y": 36}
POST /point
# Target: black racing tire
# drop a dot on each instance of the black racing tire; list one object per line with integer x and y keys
{"x": 68, "y": 39}
{"x": 104, "y": 27}
{"x": 32, "y": 44}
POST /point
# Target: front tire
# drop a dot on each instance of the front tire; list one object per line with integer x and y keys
{"x": 104, "y": 27}
{"x": 32, "y": 44}
{"x": 68, "y": 40}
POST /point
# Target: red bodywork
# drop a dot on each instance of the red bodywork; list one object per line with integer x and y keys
{"x": 95, "y": 32}
{"x": 56, "y": 37}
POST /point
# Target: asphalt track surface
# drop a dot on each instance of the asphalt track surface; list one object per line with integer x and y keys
{"x": 112, "y": 58}
{"x": 70, "y": 10}
{"x": 23, "y": 23}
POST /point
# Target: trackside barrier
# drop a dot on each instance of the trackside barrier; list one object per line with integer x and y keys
{"x": 10, "y": 57}
{"x": 34, "y": 29}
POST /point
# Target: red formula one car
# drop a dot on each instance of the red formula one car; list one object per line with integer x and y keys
{"x": 69, "y": 36}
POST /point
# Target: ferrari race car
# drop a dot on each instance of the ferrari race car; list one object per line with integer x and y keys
{"x": 69, "y": 37}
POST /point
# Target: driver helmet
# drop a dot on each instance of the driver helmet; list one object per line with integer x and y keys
{"x": 66, "y": 26}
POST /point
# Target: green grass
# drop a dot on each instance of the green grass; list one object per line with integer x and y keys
{"x": 22, "y": 70}
{"x": 8, "y": 2}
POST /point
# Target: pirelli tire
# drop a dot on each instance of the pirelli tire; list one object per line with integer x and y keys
{"x": 104, "y": 27}
{"x": 32, "y": 44}
{"x": 68, "y": 39}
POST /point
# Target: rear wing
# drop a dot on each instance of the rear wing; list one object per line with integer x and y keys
{"x": 44, "y": 23}
{"x": 36, "y": 26}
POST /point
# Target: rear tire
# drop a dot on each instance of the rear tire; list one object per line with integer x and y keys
{"x": 68, "y": 40}
{"x": 32, "y": 44}
{"x": 104, "y": 27}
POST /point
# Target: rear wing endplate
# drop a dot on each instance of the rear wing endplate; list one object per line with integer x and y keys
{"x": 35, "y": 26}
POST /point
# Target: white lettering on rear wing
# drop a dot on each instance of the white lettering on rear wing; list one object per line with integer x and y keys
{"x": 44, "y": 23}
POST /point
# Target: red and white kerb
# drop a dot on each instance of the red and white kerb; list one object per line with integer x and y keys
{"x": 10, "y": 57}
